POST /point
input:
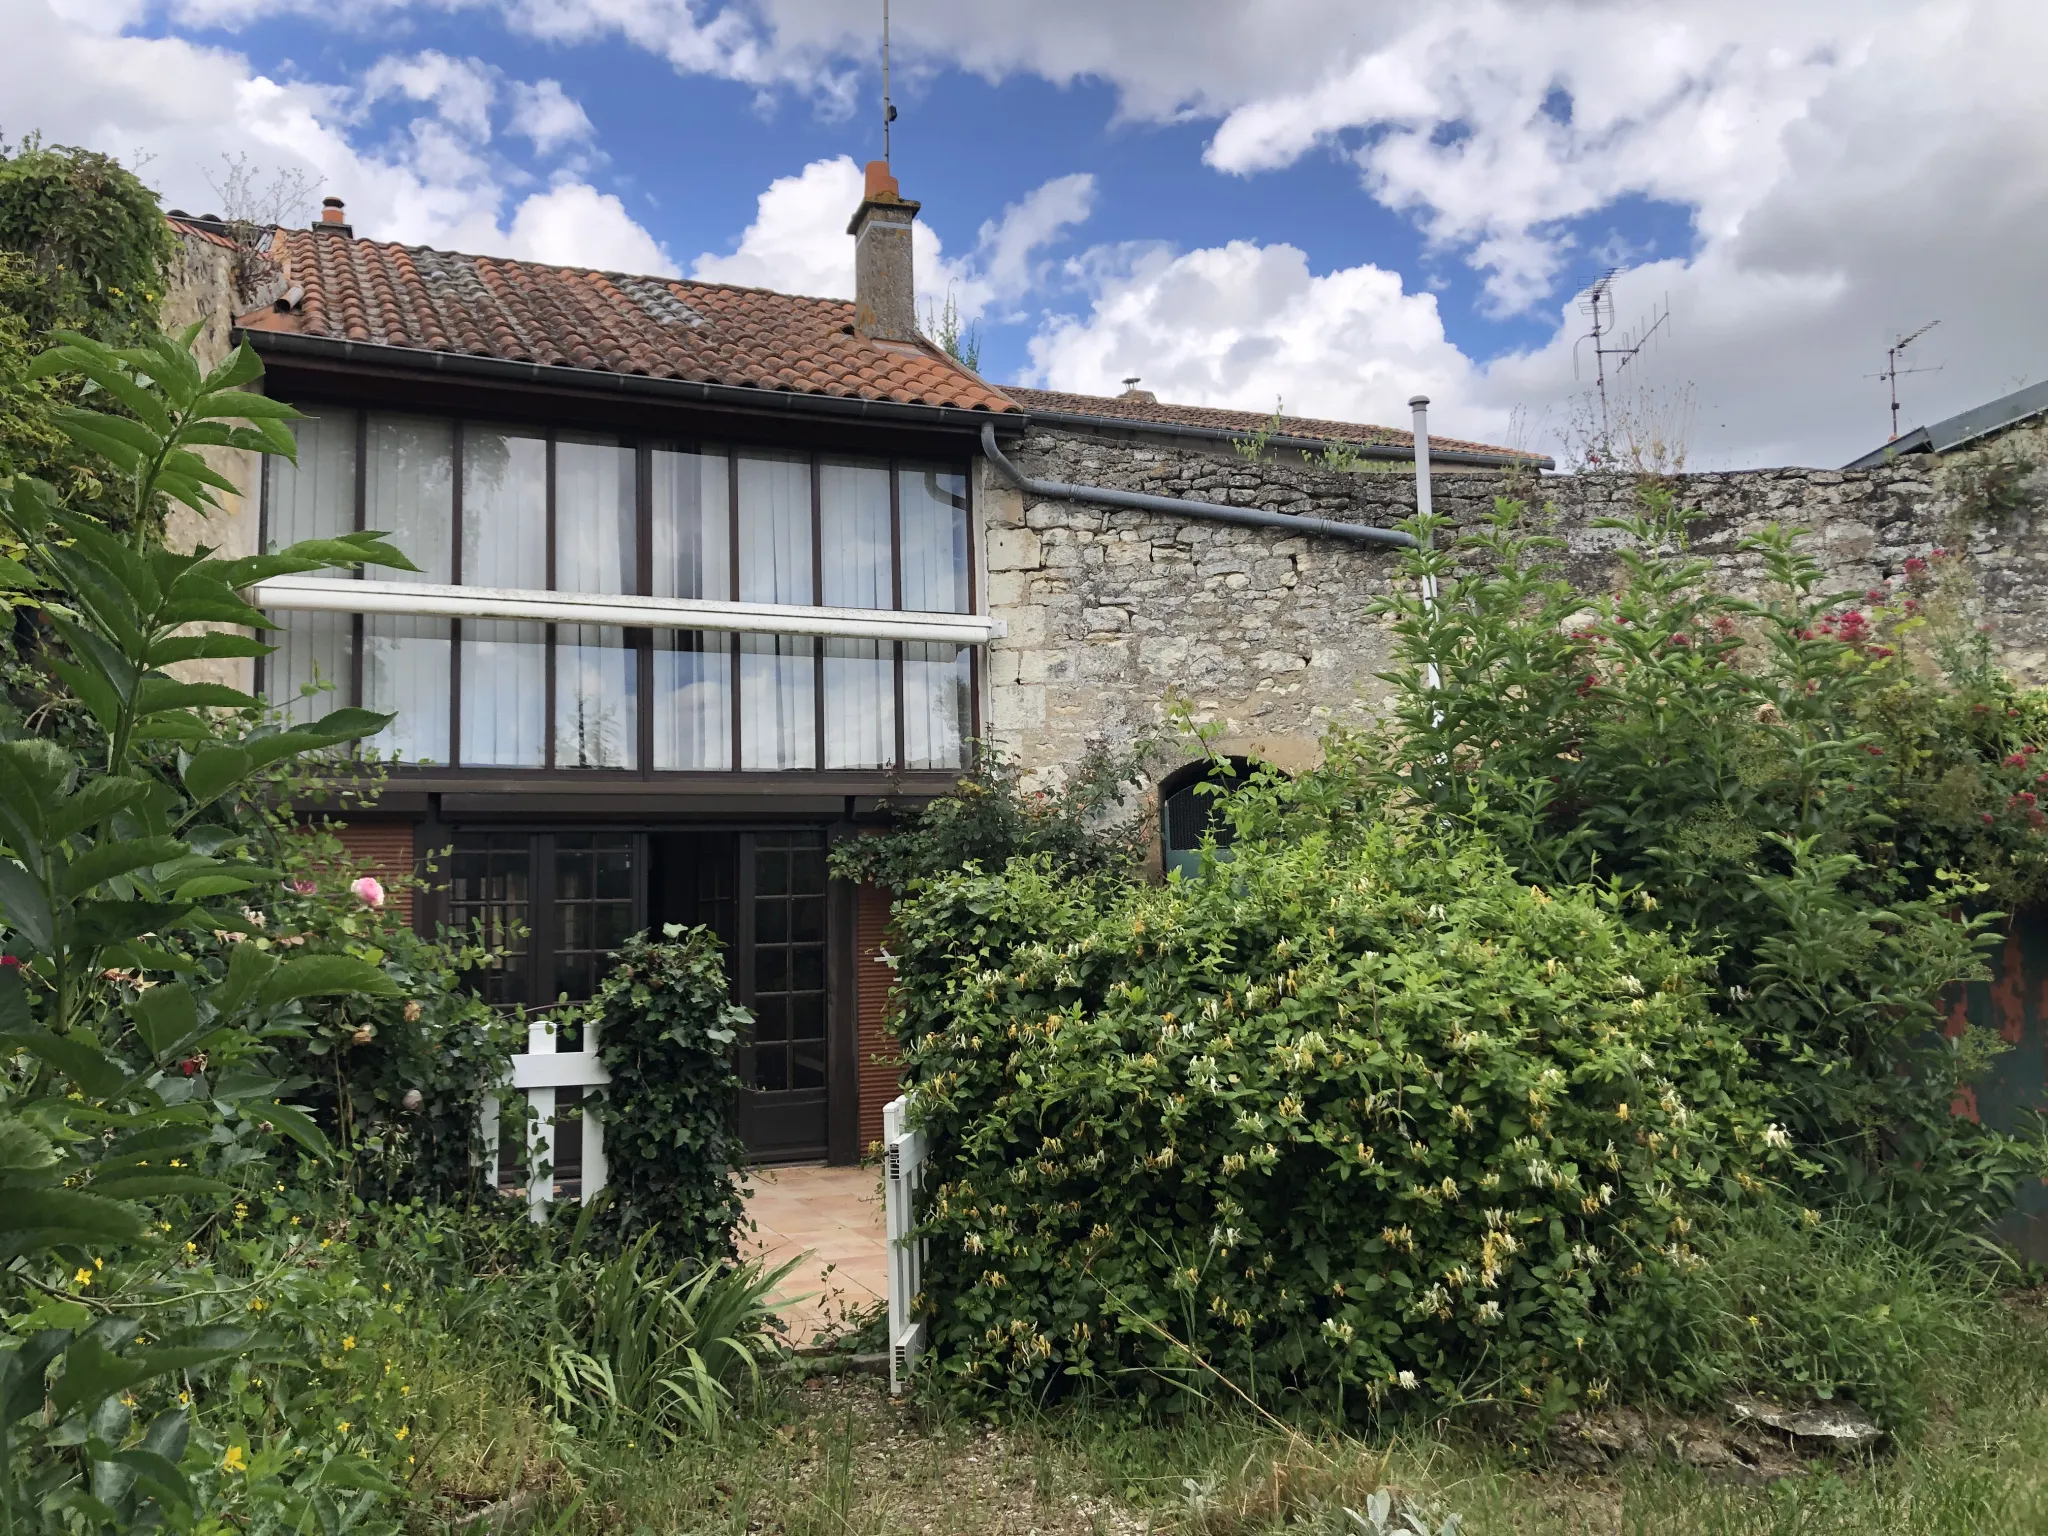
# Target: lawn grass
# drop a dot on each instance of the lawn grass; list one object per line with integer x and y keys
{"x": 834, "y": 1456}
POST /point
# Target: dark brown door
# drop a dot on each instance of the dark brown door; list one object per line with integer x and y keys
{"x": 782, "y": 979}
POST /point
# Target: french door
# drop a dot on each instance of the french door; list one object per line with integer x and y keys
{"x": 557, "y": 905}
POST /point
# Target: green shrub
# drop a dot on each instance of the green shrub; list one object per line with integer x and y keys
{"x": 1791, "y": 786}
{"x": 1367, "y": 1121}
{"x": 666, "y": 1026}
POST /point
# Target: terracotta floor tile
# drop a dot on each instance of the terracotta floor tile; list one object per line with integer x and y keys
{"x": 832, "y": 1217}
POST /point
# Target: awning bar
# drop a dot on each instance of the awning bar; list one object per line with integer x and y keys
{"x": 316, "y": 594}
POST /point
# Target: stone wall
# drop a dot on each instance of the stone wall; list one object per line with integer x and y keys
{"x": 1111, "y": 612}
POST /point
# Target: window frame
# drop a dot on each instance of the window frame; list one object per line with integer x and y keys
{"x": 642, "y": 642}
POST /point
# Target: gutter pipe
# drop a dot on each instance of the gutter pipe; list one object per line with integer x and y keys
{"x": 1208, "y": 511}
{"x": 1431, "y": 679}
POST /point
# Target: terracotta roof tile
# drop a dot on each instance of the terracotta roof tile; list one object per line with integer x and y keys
{"x": 522, "y": 311}
{"x": 1138, "y": 410}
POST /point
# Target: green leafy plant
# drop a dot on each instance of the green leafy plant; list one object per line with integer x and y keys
{"x": 1252, "y": 446}
{"x": 1367, "y": 1123}
{"x": 137, "y": 1085}
{"x": 666, "y": 1027}
{"x": 93, "y": 240}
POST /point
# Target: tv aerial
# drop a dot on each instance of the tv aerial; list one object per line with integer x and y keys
{"x": 1597, "y": 302}
{"x": 1893, "y": 372}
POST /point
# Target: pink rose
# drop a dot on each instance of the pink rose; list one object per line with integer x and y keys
{"x": 369, "y": 892}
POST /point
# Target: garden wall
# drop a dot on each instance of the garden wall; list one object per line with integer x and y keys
{"x": 1109, "y": 612}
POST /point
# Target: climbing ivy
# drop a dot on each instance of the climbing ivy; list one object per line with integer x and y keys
{"x": 96, "y": 250}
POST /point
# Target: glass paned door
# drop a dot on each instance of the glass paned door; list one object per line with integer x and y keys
{"x": 783, "y": 1110}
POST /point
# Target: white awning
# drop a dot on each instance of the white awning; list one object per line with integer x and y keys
{"x": 325, "y": 595}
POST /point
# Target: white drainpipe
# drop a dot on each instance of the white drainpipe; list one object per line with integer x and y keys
{"x": 1420, "y": 406}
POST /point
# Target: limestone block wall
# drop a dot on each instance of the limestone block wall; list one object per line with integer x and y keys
{"x": 1110, "y": 613}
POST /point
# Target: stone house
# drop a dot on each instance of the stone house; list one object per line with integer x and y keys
{"x": 711, "y": 577}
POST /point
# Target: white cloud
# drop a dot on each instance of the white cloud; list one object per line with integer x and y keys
{"x": 798, "y": 241}
{"x": 460, "y": 90}
{"x": 549, "y": 117}
{"x": 577, "y": 225}
{"x": 1244, "y": 325}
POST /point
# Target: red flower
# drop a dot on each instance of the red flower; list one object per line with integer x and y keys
{"x": 1680, "y": 639}
{"x": 1591, "y": 682}
{"x": 2017, "y": 760}
{"x": 1874, "y": 595}
{"x": 13, "y": 961}
{"x": 1881, "y": 651}
{"x": 1915, "y": 566}
{"x": 189, "y": 1065}
{"x": 1874, "y": 751}
{"x": 1987, "y": 818}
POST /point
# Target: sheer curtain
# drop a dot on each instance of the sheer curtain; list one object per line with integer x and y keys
{"x": 409, "y": 492}
{"x": 504, "y": 693}
{"x": 860, "y": 703}
{"x": 778, "y": 673}
{"x": 597, "y": 698}
{"x": 693, "y": 669}
{"x": 596, "y": 517}
{"x": 313, "y": 499}
{"x": 859, "y": 572}
{"x": 504, "y": 544}
{"x": 937, "y": 695}
{"x": 934, "y": 513}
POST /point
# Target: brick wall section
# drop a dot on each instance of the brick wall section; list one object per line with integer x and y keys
{"x": 872, "y": 980}
{"x": 382, "y": 849}
{"x": 1265, "y": 633}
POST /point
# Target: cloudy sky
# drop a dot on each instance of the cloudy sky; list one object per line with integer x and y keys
{"x": 1335, "y": 203}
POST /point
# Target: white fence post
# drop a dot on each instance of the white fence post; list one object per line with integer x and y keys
{"x": 538, "y": 1073}
{"x": 903, "y": 1153}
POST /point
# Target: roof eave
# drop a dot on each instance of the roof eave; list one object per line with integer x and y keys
{"x": 1437, "y": 455}
{"x": 600, "y": 381}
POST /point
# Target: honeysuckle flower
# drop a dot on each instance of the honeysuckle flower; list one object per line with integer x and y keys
{"x": 1405, "y": 1380}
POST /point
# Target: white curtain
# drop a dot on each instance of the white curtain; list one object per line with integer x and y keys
{"x": 504, "y": 508}
{"x": 937, "y": 695}
{"x": 597, "y": 698}
{"x": 778, "y": 705}
{"x": 410, "y": 493}
{"x": 853, "y": 515}
{"x": 860, "y": 703}
{"x": 596, "y": 517}
{"x": 775, "y": 528}
{"x": 504, "y": 694}
{"x": 692, "y": 525}
{"x": 692, "y": 699}
{"x": 405, "y": 672}
{"x": 934, "y": 515}
{"x": 316, "y": 498}
{"x": 313, "y": 499}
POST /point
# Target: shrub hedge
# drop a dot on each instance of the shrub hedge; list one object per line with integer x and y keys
{"x": 665, "y": 1031}
{"x": 1365, "y": 1120}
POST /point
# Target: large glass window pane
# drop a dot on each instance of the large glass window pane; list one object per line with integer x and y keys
{"x": 853, "y": 515}
{"x": 937, "y": 695}
{"x": 312, "y": 649}
{"x": 692, "y": 699}
{"x": 504, "y": 694}
{"x": 504, "y": 508}
{"x": 596, "y": 539}
{"x": 405, "y": 672}
{"x": 934, "y": 510}
{"x": 860, "y": 703}
{"x": 778, "y": 702}
{"x": 593, "y": 908}
{"x": 775, "y": 528}
{"x": 315, "y": 498}
{"x": 692, "y": 524}
{"x": 410, "y": 493}
{"x": 597, "y": 698}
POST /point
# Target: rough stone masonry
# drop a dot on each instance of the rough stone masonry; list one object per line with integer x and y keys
{"x": 1110, "y": 613}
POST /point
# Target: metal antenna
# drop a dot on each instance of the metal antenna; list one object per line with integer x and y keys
{"x": 1598, "y": 302}
{"x": 888, "y": 106}
{"x": 1893, "y": 372}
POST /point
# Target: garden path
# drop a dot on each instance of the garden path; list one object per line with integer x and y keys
{"x": 832, "y": 1218}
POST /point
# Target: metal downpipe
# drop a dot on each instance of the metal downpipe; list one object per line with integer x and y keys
{"x": 1243, "y": 517}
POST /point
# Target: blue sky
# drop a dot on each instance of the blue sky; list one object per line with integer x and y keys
{"x": 1338, "y": 202}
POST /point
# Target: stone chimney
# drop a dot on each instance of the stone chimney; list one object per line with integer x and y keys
{"x": 332, "y": 220}
{"x": 884, "y": 290}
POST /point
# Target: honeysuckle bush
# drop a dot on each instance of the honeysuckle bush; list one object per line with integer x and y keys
{"x": 1363, "y": 1120}
{"x": 1830, "y": 796}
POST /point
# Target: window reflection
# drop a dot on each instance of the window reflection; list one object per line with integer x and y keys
{"x": 692, "y": 699}
{"x": 405, "y": 673}
{"x": 778, "y": 702}
{"x": 937, "y": 694}
{"x": 597, "y": 698}
{"x": 504, "y": 694}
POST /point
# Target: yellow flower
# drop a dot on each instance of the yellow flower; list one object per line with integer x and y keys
{"x": 177, "y": 1162}
{"x": 348, "y": 1341}
{"x": 257, "y": 1303}
{"x": 163, "y": 1226}
{"x": 405, "y": 1391}
{"x": 295, "y": 1221}
{"x": 241, "y": 1211}
{"x": 344, "y": 1426}
{"x": 404, "y": 1431}
{"x": 83, "y": 1277}
{"x": 191, "y": 1247}
{"x": 184, "y": 1399}
{"x": 235, "y": 1460}
{"x": 387, "y": 1285}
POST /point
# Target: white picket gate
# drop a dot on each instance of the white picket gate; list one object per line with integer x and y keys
{"x": 903, "y": 1155}
{"x": 538, "y": 1074}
